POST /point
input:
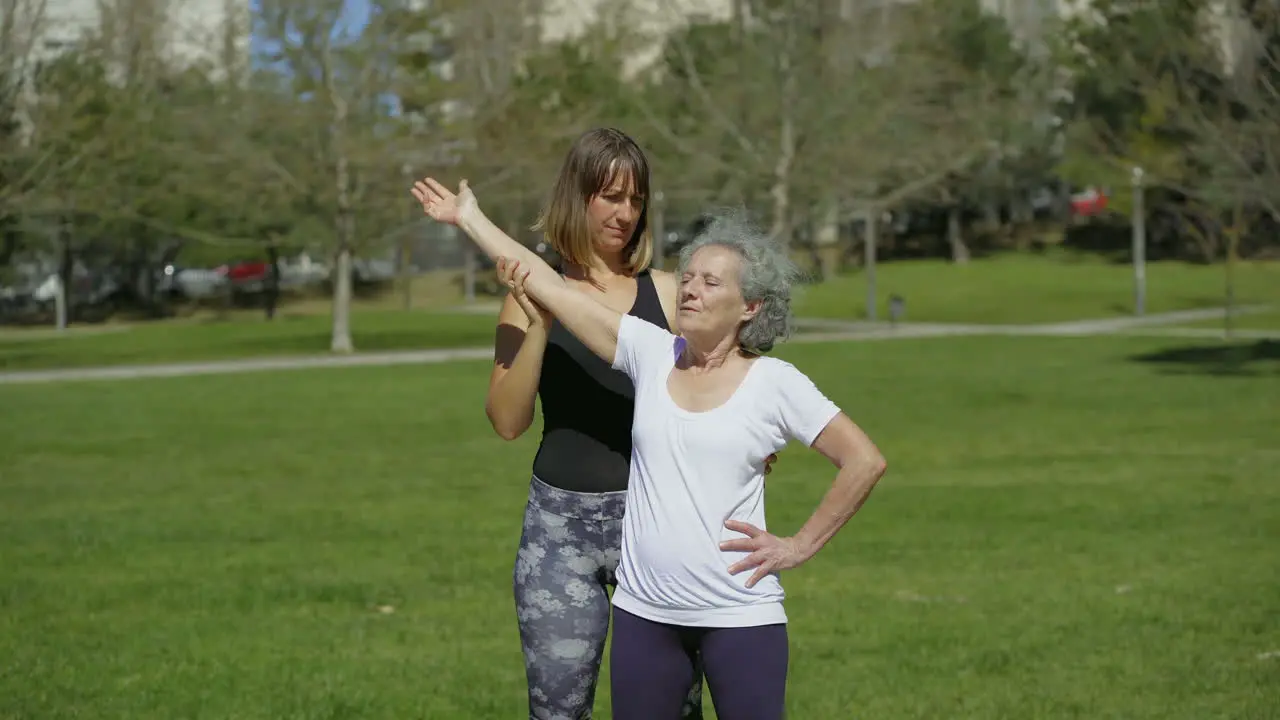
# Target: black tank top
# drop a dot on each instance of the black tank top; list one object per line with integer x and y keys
{"x": 587, "y": 407}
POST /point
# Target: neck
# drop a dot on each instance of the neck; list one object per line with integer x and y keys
{"x": 709, "y": 353}
{"x": 599, "y": 270}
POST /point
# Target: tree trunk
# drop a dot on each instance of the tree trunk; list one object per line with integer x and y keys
{"x": 1233, "y": 250}
{"x": 341, "y": 334}
{"x": 781, "y": 190}
{"x": 340, "y": 341}
{"x": 955, "y": 237}
{"x": 869, "y": 261}
{"x": 469, "y": 273}
{"x": 405, "y": 277}
{"x": 1021, "y": 221}
{"x": 273, "y": 280}
{"x": 658, "y": 229}
{"x": 66, "y": 263}
{"x": 341, "y": 337}
{"x": 826, "y": 238}
{"x": 991, "y": 216}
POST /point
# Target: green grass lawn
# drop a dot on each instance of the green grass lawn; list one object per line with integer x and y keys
{"x": 1010, "y": 289}
{"x": 240, "y": 337}
{"x": 1070, "y": 528}
{"x": 1030, "y": 289}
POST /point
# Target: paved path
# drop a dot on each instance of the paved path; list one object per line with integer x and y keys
{"x": 812, "y": 331}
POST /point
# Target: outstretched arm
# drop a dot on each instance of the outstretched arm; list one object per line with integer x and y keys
{"x": 591, "y": 322}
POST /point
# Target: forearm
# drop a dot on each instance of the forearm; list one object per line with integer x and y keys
{"x": 852, "y": 487}
{"x": 495, "y": 243}
{"x": 591, "y": 322}
{"x": 511, "y": 400}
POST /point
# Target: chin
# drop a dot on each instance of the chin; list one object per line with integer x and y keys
{"x": 690, "y": 323}
{"x": 611, "y": 243}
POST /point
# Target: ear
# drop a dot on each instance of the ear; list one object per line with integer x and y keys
{"x": 751, "y": 309}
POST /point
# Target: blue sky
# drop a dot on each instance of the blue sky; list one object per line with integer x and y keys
{"x": 354, "y": 17}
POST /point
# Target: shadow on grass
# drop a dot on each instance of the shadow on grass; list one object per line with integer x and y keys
{"x": 1178, "y": 304}
{"x": 1222, "y": 358}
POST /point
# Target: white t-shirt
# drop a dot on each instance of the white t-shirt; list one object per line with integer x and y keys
{"x": 692, "y": 471}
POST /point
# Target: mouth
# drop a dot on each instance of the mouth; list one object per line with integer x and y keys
{"x": 688, "y": 309}
{"x": 620, "y": 232}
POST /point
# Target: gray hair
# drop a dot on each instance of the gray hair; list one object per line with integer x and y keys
{"x": 767, "y": 275}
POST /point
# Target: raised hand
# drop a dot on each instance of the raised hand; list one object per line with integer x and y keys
{"x": 769, "y": 553}
{"x": 440, "y": 203}
{"x": 512, "y": 275}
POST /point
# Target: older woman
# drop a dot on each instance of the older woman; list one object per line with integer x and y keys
{"x": 596, "y": 220}
{"x": 709, "y": 409}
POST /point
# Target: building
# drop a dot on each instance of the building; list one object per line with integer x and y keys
{"x": 187, "y": 31}
{"x": 184, "y": 32}
{"x": 648, "y": 19}
{"x": 653, "y": 19}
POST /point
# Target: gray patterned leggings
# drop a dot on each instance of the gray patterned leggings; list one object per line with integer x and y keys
{"x": 567, "y": 559}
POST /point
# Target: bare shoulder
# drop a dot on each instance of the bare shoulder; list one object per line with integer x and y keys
{"x": 668, "y": 289}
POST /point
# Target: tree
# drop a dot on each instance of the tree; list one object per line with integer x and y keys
{"x": 824, "y": 113}
{"x": 1124, "y": 63}
{"x": 339, "y": 76}
{"x": 46, "y": 108}
{"x": 1191, "y": 101}
{"x": 1005, "y": 72}
{"x": 523, "y": 118}
{"x": 1234, "y": 132}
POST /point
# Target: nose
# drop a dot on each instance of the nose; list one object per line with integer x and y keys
{"x": 627, "y": 211}
{"x": 689, "y": 290}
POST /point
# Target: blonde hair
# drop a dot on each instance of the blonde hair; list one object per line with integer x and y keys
{"x": 597, "y": 158}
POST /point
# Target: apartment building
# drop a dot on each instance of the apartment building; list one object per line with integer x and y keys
{"x": 568, "y": 18}
{"x": 650, "y": 19}
{"x": 654, "y": 18}
{"x": 186, "y": 31}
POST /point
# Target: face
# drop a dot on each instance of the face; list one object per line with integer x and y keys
{"x": 612, "y": 213}
{"x": 710, "y": 293}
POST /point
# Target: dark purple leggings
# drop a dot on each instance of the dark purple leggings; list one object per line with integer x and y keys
{"x": 651, "y": 669}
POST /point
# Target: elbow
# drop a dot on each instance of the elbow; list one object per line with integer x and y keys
{"x": 506, "y": 427}
{"x": 879, "y": 466}
{"x": 871, "y": 466}
{"x": 874, "y": 461}
{"x": 508, "y": 432}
